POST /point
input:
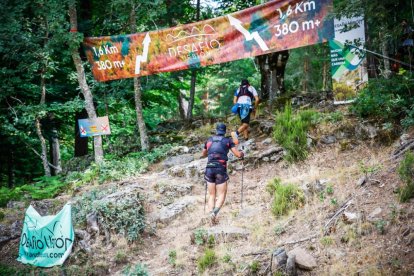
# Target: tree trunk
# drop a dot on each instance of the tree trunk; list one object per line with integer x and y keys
{"x": 182, "y": 105}
{"x": 140, "y": 119}
{"x": 42, "y": 140}
{"x": 46, "y": 167}
{"x": 192, "y": 95}
{"x": 137, "y": 93}
{"x": 305, "y": 80}
{"x": 55, "y": 152}
{"x": 10, "y": 169}
{"x": 87, "y": 94}
{"x": 265, "y": 77}
{"x": 385, "y": 53}
{"x": 193, "y": 78}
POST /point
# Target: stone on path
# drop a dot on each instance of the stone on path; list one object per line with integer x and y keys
{"x": 279, "y": 259}
{"x": 304, "y": 260}
{"x": 178, "y": 160}
{"x": 291, "y": 266}
{"x": 170, "y": 212}
{"x": 227, "y": 233}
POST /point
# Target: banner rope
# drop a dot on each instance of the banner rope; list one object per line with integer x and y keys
{"x": 380, "y": 55}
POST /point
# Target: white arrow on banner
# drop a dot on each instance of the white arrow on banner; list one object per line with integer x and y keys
{"x": 249, "y": 36}
{"x": 144, "y": 56}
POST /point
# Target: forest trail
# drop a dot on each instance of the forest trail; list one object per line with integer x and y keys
{"x": 373, "y": 237}
{"x": 252, "y": 232}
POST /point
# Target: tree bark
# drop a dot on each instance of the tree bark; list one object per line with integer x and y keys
{"x": 42, "y": 140}
{"x": 193, "y": 78}
{"x": 87, "y": 94}
{"x": 385, "y": 53}
{"x": 145, "y": 145}
{"x": 55, "y": 146}
{"x": 265, "y": 78}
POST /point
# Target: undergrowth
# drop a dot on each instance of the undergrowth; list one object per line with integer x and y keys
{"x": 109, "y": 170}
{"x": 290, "y": 131}
{"x": 208, "y": 259}
{"x": 406, "y": 172}
{"x": 387, "y": 100}
{"x": 285, "y": 197}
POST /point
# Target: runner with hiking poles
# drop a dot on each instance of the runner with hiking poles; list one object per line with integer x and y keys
{"x": 216, "y": 148}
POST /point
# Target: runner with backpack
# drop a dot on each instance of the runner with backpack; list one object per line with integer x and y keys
{"x": 216, "y": 148}
{"x": 243, "y": 101}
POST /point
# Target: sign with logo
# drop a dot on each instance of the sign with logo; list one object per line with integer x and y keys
{"x": 46, "y": 241}
{"x": 94, "y": 126}
{"x": 274, "y": 26}
{"x": 348, "y": 62}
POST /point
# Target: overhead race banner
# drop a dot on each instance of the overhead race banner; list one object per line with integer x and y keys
{"x": 94, "y": 126}
{"x": 46, "y": 241}
{"x": 348, "y": 63}
{"x": 275, "y": 26}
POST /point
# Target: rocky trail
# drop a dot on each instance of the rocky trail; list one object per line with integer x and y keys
{"x": 351, "y": 222}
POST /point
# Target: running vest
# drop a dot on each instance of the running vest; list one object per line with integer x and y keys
{"x": 217, "y": 152}
{"x": 244, "y": 91}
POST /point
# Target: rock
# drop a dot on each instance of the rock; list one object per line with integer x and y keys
{"x": 179, "y": 150}
{"x": 314, "y": 187}
{"x": 266, "y": 159}
{"x": 16, "y": 205}
{"x": 177, "y": 160}
{"x": 279, "y": 259}
{"x": 170, "y": 212}
{"x": 405, "y": 139}
{"x": 362, "y": 181}
{"x": 92, "y": 222}
{"x": 349, "y": 217}
{"x": 303, "y": 259}
{"x": 248, "y": 212}
{"x": 227, "y": 233}
{"x": 267, "y": 141}
{"x": 373, "y": 216}
{"x": 266, "y": 127}
{"x": 366, "y": 131}
{"x": 291, "y": 266}
{"x": 194, "y": 170}
{"x": 328, "y": 139}
{"x": 9, "y": 232}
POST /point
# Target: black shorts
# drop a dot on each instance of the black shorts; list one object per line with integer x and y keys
{"x": 245, "y": 120}
{"x": 216, "y": 175}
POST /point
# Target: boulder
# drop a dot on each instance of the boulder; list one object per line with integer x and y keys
{"x": 291, "y": 266}
{"x": 349, "y": 217}
{"x": 374, "y": 215}
{"x": 266, "y": 127}
{"x": 279, "y": 259}
{"x": 364, "y": 131}
{"x": 267, "y": 141}
{"x": 170, "y": 212}
{"x": 194, "y": 170}
{"x": 16, "y": 205}
{"x": 177, "y": 160}
{"x": 328, "y": 139}
{"x": 227, "y": 233}
{"x": 304, "y": 260}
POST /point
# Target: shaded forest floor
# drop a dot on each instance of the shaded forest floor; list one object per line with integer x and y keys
{"x": 379, "y": 240}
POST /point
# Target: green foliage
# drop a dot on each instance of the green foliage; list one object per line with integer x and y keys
{"x": 121, "y": 257}
{"x": 227, "y": 258}
{"x": 136, "y": 270}
{"x": 406, "y": 173}
{"x": 279, "y": 230}
{"x": 290, "y": 131}
{"x": 368, "y": 170}
{"x": 254, "y": 267}
{"x": 380, "y": 226}
{"x": 172, "y": 257}
{"x": 45, "y": 187}
{"x": 326, "y": 241}
{"x": 208, "y": 259}
{"x": 329, "y": 190}
{"x": 387, "y": 100}
{"x": 2, "y": 216}
{"x": 285, "y": 197}
{"x": 200, "y": 235}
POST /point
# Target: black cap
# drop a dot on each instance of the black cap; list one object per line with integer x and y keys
{"x": 220, "y": 129}
{"x": 244, "y": 82}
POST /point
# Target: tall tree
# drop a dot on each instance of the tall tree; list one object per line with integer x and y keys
{"x": 145, "y": 145}
{"x": 87, "y": 94}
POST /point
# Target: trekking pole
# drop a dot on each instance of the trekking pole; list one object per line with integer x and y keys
{"x": 241, "y": 201}
{"x": 205, "y": 197}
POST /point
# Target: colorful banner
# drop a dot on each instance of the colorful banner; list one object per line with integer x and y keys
{"x": 46, "y": 241}
{"x": 271, "y": 27}
{"x": 94, "y": 126}
{"x": 348, "y": 62}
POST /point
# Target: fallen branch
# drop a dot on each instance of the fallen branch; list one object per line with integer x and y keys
{"x": 402, "y": 149}
{"x": 265, "y": 251}
{"x": 343, "y": 208}
{"x": 297, "y": 241}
